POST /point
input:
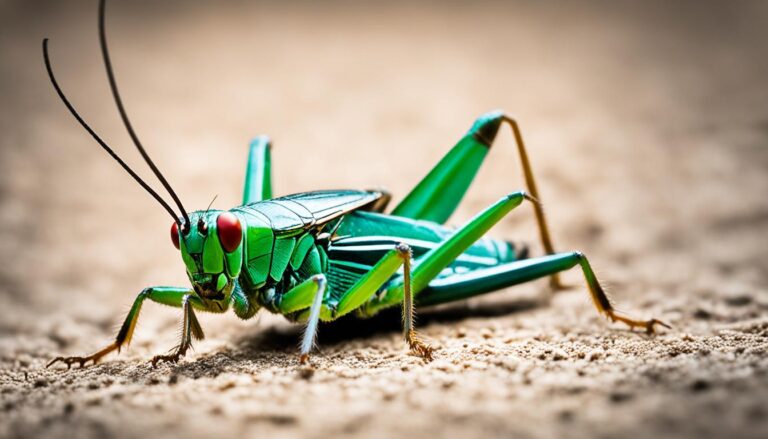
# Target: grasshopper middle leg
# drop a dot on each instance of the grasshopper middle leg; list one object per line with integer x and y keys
{"x": 403, "y": 289}
{"x": 324, "y": 307}
{"x": 190, "y": 327}
{"x": 429, "y": 265}
{"x": 379, "y": 275}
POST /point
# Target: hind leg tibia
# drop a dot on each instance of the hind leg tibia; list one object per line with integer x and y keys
{"x": 481, "y": 281}
{"x": 438, "y": 194}
{"x": 429, "y": 265}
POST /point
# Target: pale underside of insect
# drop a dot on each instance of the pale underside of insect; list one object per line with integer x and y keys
{"x": 317, "y": 256}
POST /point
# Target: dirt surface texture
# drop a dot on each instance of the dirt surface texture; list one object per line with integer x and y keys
{"x": 647, "y": 126}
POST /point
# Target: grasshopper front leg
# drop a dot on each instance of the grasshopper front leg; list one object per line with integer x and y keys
{"x": 190, "y": 327}
{"x": 172, "y": 296}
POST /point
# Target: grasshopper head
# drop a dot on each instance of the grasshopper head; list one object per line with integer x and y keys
{"x": 211, "y": 247}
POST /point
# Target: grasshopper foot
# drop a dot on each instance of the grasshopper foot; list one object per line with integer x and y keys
{"x": 420, "y": 348}
{"x": 70, "y": 360}
{"x": 649, "y": 325}
{"x": 82, "y": 361}
{"x": 170, "y": 358}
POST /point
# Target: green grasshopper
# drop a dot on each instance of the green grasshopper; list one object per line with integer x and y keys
{"x": 321, "y": 255}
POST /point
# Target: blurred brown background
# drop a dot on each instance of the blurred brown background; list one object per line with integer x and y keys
{"x": 647, "y": 124}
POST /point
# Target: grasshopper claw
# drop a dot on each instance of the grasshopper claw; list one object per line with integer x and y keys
{"x": 423, "y": 350}
{"x": 172, "y": 358}
{"x": 82, "y": 361}
{"x": 69, "y": 360}
{"x": 649, "y": 325}
{"x": 650, "y": 328}
{"x": 420, "y": 348}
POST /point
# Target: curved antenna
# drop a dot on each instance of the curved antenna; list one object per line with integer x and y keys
{"x": 124, "y": 115}
{"x": 97, "y": 138}
{"x": 211, "y": 203}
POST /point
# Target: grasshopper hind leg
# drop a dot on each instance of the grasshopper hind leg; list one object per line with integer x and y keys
{"x": 481, "y": 281}
{"x": 258, "y": 173}
{"x": 438, "y": 194}
{"x": 431, "y": 290}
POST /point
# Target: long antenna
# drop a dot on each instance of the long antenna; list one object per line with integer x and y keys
{"x": 97, "y": 138}
{"x": 124, "y": 115}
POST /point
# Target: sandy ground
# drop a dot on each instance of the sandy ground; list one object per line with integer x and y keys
{"x": 648, "y": 130}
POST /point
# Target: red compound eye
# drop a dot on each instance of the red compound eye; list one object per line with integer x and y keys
{"x": 175, "y": 235}
{"x": 230, "y": 231}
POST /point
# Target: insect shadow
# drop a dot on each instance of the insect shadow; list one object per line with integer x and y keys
{"x": 281, "y": 339}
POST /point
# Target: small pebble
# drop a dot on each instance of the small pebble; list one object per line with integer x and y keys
{"x": 594, "y": 355}
{"x": 700, "y": 385}
{"x": 306, "y": 373}
{"x": 227, "y": 385}
{"x": 566, "y": 416}
{"x": 702, "y": 314}
{"x": 738, "y": 300}
{"x": 620, "y": 397}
